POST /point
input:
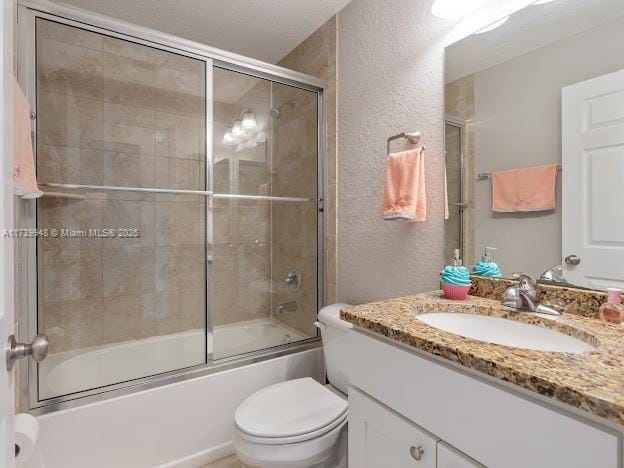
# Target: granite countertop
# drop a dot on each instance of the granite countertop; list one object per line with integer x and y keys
{"x": 592, "y": 381}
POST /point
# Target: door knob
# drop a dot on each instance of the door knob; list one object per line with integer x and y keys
{"x": 38, "y": 350}
{"x": 573, "y": 260}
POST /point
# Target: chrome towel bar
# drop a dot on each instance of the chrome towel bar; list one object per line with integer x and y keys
{"x": 412, "y": 137}
{"x": 488, "y": 175}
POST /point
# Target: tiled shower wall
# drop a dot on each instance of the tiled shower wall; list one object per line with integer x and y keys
{"x": 315, "y": 56}
{"x": 115, "y": 113}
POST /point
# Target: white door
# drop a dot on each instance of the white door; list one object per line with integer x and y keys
{"x": 593, "y": 181}
{"x": 7, "y": 393}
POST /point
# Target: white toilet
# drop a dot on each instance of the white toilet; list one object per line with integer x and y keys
{"x": 300, "y": 423}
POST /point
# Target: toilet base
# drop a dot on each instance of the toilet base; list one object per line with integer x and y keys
{"x": 327, "y": 451}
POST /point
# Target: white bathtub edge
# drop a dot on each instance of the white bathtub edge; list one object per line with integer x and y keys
{"x": 201, "y": 458}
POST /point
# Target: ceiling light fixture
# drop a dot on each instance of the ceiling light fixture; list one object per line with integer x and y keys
{"x": 493, "y": 26}
{"x": 228, "y": 139}
{"x": 249, "y": 123}
{"x": 541, "y": 2}
{"x": 456, "y": 9}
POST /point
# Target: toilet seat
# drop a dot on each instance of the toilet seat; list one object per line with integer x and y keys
{"x": 290, "y": 412}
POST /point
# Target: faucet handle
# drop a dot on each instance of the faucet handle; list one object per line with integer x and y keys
{"x": 525, "y": 281}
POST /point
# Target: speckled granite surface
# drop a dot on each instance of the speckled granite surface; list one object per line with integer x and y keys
{"x": 576, "y": 301}
{"x": 592, "y": 381}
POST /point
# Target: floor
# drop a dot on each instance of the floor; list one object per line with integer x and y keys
{"x": 228, "y": 462}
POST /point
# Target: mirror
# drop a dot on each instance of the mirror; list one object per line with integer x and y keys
{"x": 534, "y": 134}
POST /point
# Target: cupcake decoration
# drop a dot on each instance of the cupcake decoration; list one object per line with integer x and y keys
{"x": 455, "y": 279}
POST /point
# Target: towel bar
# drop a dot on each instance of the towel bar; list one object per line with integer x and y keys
{"x": 412, "y": 137}
{"x": 488, "y": 175}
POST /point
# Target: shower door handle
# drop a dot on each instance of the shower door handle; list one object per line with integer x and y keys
{"x": 38, "y": 350}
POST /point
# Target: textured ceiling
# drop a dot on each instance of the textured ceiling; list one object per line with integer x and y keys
{"x": 263, "y": 29}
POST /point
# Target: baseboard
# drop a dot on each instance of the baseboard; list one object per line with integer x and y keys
{"x": 198, "y": 459}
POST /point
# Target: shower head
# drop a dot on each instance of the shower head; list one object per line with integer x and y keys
{"x": 276, "y": 112}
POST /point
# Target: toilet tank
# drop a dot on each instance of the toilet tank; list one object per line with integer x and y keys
{"x": 334, "y": 335}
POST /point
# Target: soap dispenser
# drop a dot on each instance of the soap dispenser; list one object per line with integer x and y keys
{"x": 455, "y": 279}
{"x": 486, "y": 267}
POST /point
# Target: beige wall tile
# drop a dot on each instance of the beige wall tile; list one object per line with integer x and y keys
{"x": 180, "y": 224}
{"x": 63, "y": 165}
{"x": 127, "y": 270}
{"x": 69, "y": 69}
{"x": 64, "y": 213}
{"x": 180, "y": 267}
{"x": 51, "y": 30}
{"x": 126, "y": 214}
{"x": 71, "y": 324}
{"x": 179, "y": 136}
{"x": 127, "y": 170}
{"x": 65, "y": 120}
{"x": 68, "y": 275}
{"x": 178, "y": 311}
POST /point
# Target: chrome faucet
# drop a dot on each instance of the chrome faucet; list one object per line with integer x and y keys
{"x": 287, "y": 307}
{"x": 524, "y": 296}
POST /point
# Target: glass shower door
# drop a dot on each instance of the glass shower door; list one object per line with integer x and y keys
{"x": 264, "y": 233}
{"x": 121, "y": 277}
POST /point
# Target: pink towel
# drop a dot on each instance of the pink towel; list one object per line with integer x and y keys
{"x": 405, "y": 196}
{"x": 24, "y": 179}
{"x": 527, "y": 189}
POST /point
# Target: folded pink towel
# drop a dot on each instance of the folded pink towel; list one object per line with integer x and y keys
{"x": 527, "y": 189}
{"x": 24, "y": 179}
{"x": 405, "y": 196}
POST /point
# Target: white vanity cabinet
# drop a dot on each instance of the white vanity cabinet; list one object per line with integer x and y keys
{"x": 378, "y": 437}
{"x": 402, "y": 399}
{"x": 448, "y": 457}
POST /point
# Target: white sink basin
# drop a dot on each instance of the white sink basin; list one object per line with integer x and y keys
{"x": 505, "y": 332}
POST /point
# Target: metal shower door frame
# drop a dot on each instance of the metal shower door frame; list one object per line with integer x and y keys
{"x": 26, "y": 293}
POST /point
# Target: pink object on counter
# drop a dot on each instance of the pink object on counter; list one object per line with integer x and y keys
{"x": 24, "y": 178}
{"x": 455, "y": 292}
{"x": 527, "y": 189}
{"x": 405, "y": 196}
{"x": 612, "y": 311}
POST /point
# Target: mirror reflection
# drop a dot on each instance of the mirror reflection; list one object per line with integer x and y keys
{"x": 535, "y": 144}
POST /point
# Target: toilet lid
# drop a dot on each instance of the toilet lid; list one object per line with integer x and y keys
{"x": 290, "y": 408}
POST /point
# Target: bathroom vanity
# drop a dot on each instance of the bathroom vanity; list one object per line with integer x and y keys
{"x": 422, "y": 396}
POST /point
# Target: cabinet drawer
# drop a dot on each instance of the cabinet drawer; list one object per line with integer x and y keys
{"x": 380, "y": 438}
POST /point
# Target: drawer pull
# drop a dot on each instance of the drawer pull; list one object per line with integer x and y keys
{"x": 417, "y": 452}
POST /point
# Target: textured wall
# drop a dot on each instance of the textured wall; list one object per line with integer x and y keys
{"x": 391, "y": 80}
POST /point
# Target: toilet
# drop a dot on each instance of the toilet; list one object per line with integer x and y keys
{"x": 300, "y": 423}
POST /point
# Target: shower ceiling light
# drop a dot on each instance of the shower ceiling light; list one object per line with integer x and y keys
{"x": 237, "y": 129}
{"x": 494, "y": 25}
{"x": 249, "y": 123}
{"x": 456, "y": 9}
{"x": 228, "y": 139}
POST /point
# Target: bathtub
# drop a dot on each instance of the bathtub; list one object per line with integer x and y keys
{"x": 181, "y": 425}
{"x": 73, "y": 371}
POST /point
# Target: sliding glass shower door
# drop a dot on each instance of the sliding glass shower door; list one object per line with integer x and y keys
{"x": 179, "y": 227}
{"x": 119, "y": 267}
{"x": 264, "y": 238}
